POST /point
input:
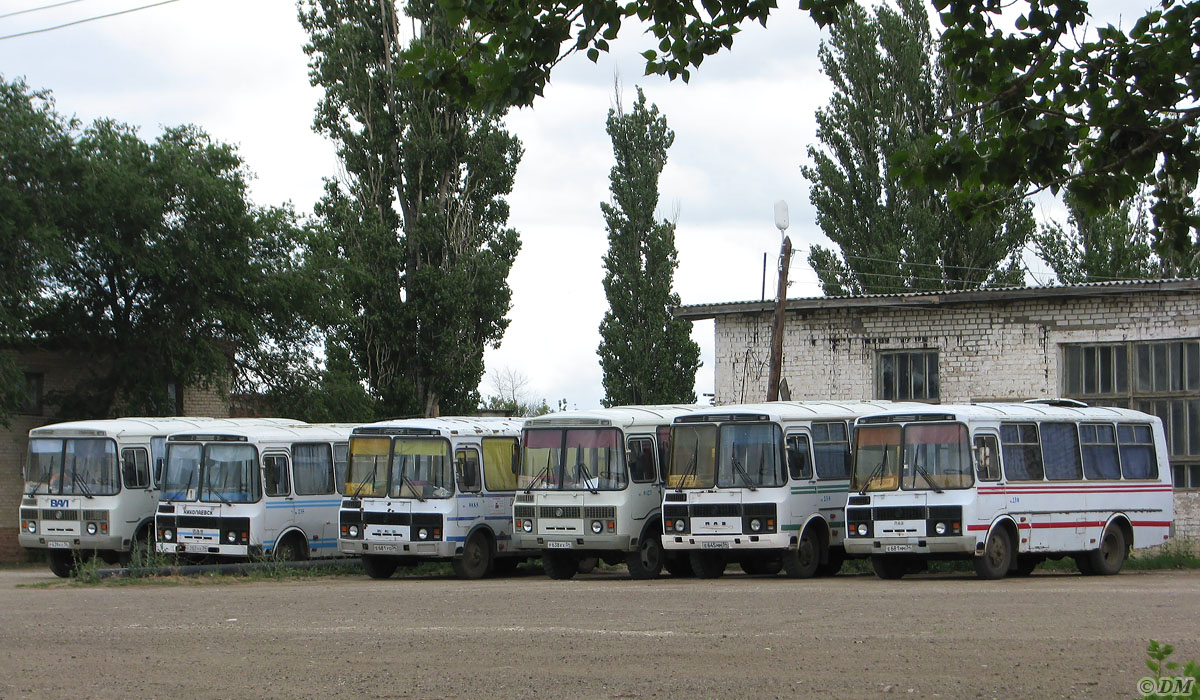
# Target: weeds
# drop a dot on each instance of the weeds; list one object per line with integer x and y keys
{"x": 1169, "y": 681}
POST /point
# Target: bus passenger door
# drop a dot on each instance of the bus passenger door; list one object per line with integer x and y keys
{"x": 989, "y": 485}
{"x": 469, "y": 503}
{"x": 280, "y": 508}
{"x": 803, "y": 498}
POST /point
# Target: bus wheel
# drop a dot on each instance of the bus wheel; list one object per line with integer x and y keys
{"x": 559, "y": 566}
{"x": 62, "y": 562}
{"x": 141, "y": 550}
{"x": 1109, "y": 557}
{"x": 802, "y": 562}
{"x": 1083, "y": 562}
{"x": 837, "y": 557}
{"x": 647, "y": 561}
{"x": 379, "y": 567}
{"x": 889, "y": 568}
{"x": 292, "y": 548}
{"x": 476, "y": 559}
{"x": 505, "y": 566}
{"x": 677, "y": 564}
{"x": 762, "y": 566}
{"x": 587, "y": 565}
{"x": 997, "y": 555}
{"x": 1026, "y": 563}
{"x": 707, "y": 564}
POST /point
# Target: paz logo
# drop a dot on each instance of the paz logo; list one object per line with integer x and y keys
{"x": 558, "y": 512}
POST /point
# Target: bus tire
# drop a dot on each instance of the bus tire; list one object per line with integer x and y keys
{"x": 833, "y": 564}
{"x": 997, "y": 556}
{"x": 1083, "y": 562}
{"x": 559, "y": 566}
{"x": 293, "y": 548}
{"x": 707, "y": 564}
{"x": 141, "y": 549}
{"x": 1026, "y": 563}
{"x": 379, "y": 567}
{"x": 62, "y": 562}
{"x": 762, "y": 566}
{"x": 587, "y": 565}
{"x": 646, "y": 561}
{"x": 802, "y": 562}
{"x": 678, "y": 564}
{"x": 476, "y": 559}
{"x": 505, "y": 566}
{"x": 889, "y": 568}
{"x": 1109, "y": 557}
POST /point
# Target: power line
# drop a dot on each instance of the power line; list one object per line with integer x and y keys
{"x": 89, "y": 19}
{"x": 36, "y": 9}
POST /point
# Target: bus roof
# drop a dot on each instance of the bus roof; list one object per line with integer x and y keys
{"x": 618, "y": 416}
{"x": 446, "y": 426}
{"x": 149, "y": 426}
{"x": 802, "y": 410}
{"x": 1030, "y": 410}
{"x": 266, "y": 432}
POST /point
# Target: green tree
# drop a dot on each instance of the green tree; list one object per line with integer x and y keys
{"x": 512, "y": 395}
{"x": 417, "y": 232}
{"x": 647, "y": 356}
{"x": 890, "y": 95}
{"x": 35, "y": 143}
{"x": 1098, "y": 247}
{"x": 168, "y": 275}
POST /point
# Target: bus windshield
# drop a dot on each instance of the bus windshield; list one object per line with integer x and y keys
{"x": 421, "y": 468}
{"x": 182, "y": 473}
{"x": 83, "y": 467}
{"x": 573, "y": 459}
{"x": 230, "y": 474}
{"x": 734, "y": 455}
{"x": 876, "y": 458}
{"x": 366, "y": 474}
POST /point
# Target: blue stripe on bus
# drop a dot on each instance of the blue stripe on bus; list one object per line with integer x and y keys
{"x": 497, "y": 517}
{"x": 457, "y": 539}
{"x": 461, "y": 518}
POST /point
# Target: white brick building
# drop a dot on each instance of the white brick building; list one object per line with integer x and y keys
{"x": 1134, "y": 344}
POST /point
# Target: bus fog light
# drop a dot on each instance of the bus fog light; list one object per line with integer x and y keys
{"x": 91, "y": 528}
{"x": 755, "y": 525}
{"x": 31, "y": 527}
{"x": 527, "y": 526}
{"x": 940, "y": 528}
{"x": 862, "y": 529}
{"x": 680, "y": 525}
{"x": 422, "y": 534}
{"x": 597, "y": 527}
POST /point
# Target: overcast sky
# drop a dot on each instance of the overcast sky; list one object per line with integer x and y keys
{"x": 236, "y": 68}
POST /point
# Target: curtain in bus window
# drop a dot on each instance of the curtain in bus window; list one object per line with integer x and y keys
{"x": 1021, "y": 451}
{"x": 182, "y": 473}
{"x": 1138, "y": 460}
{"x": 641, "y": 459}
{"x": 593, "y": 460}
{"x": 275, "y": 472}
{"x": 831, "y": 451}
{"x": 1060, "y": 451}
{"x": 425, "y": 464}
{"x": 498, "y": 454}
{"x": 44, "y": 470}
{"x": 91, "y": 468}
{"x": 341, "y": 459}
{"x": 1100, "y": 459}
{"x": 749, "y": 456}
{"x": 939, "y": 453}
{"x": 366, "y": 475}
{"x": 136, "y": 468}
{"x": 799, "y": 460}
{"x": 312, "y": 469}
{"x": 230, "y": 473}
{"x": 664, "y": 449}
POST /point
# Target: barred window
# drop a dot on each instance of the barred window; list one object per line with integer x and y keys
{"x": 908, "y": 376}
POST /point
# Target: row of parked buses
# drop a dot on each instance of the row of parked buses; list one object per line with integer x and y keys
{"x": 792, "y": 487}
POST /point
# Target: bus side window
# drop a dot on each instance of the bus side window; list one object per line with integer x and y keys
{"x": 799, "y": 457}
{"x": 987, "y": 458}
{"x": 641, "y": 459}
{"x": 275, "y": 469}
{"x": 466, "y": 464}
{"x": 136, "y": 468}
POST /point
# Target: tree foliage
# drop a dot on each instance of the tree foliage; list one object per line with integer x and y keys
{"x": 416, "y": 233}
{"x": 150, "y": 259}
{"x": 513, "y": 395}
{"x": 1098, "y": 247}
{"x": 889, "y": 95}
{"x": 1045, "y": 103}
{"x": 647, "y": 356}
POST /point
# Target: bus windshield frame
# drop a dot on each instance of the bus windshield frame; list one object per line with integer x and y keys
{"x": 568, "y": 458}
{"x": 912, "y": 457}
{"x": 212, "y": 472}
{"x": 72, "y": 467}
{"x": 727, "y": 455}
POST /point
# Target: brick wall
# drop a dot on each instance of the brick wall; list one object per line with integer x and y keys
{"x": 61, "y": 372}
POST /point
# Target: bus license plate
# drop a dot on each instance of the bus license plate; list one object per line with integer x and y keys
{"x": 715, "y": 545}
{"x": 58, "y": 545}
{"x": 558, "y": 545}
{"x": 897, "y": 548}
{"x": 383, "y": 548}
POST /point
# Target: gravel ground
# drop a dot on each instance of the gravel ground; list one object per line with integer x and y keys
{"x": 1052, "y": 635}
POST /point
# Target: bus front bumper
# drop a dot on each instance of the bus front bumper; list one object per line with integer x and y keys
{"x": 223, "y": 550}
{"x": 766, "y": 541}
{"x": 962, "y": 544}
{"x": 579, "y": 543}
{"x": 84, "y": 543}
{"x": 432, "y": 550}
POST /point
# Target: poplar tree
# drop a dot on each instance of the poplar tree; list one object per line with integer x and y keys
{"x": 647, "y": 356}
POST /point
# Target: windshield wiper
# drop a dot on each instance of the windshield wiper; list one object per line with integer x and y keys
{"x": 363, "y": 484}
{"x": 540, "y": 475}
{"x": 219, "y": 495}
{"x": 411, "y": 486}
{"x": 741, "y": 471}
{"x": 79, "y": 482}
{"x": 925, "y": 475}
{"x": 691, "y": 467}
{"x": 38, "y": 485}
{"x": 878, "y": 471}
{"x": 587, "y": 476}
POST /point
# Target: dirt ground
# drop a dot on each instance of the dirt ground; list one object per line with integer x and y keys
{"x": 1052, "y": 635}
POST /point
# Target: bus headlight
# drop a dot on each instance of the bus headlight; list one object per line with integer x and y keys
{"x": 91, "y": 528}
{"x": 31, "y": 527}
{"x": 597, "y": 527}
{"x": 940, "y": 528}
{"x": 755, "y": 525}
{"x": 680, "y": 525}
{"x": 862, "y": 529}
{"x": 527, "y": 525}
{"x": 231, "y": 537}
{"x": 168, "y": 534}
{"x": 422, "y": 534}
{"x": 352, "y": 531}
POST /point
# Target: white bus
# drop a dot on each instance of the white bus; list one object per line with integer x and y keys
{"x": 764, "y": 485}
{"x": 432, "y": 488}
{"x": 91, "y": 487}
{"x": 591, "y": 488}
{"x": 261, "y": 490}
{"x": 1008, "y": 486}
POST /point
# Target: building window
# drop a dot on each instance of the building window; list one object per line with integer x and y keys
{"x": 1161, "y": 378}
{"x": 908, "y": 376}
{"x": 32, "y": 402}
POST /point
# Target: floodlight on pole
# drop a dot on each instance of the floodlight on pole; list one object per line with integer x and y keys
{"x": 782, "y": 222}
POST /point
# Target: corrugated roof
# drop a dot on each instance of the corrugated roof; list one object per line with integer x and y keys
{"x": 695, "y": 312}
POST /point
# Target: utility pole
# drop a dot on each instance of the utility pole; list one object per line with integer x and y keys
{"x": 785, "y": 261}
